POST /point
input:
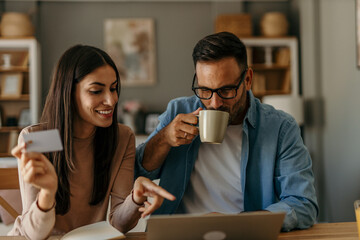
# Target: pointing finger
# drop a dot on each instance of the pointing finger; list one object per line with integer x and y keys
{"x": 158, "y": 190}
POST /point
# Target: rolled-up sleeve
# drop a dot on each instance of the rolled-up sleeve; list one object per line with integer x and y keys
{"x": 33, "y": 223}
{"x": 164, "y": 120}
{"x": 294, "y": 180}
{"x": 124, "y": 213}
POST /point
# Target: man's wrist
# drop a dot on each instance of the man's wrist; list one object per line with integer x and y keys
{"x": 162, "y": 138}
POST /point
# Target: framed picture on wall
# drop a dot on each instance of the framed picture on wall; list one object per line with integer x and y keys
{"x": 11, "y": 84}
{"x": 358, "y": 31}
{"x": 131, "y": 44}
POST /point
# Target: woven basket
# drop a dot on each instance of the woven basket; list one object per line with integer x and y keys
{"x": 239, "y": 24}
{"x": 14, "y": 24}
{"x": 274, "y": 24}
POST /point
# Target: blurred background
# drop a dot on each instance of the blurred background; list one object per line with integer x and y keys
{"x": 321, "y": 36}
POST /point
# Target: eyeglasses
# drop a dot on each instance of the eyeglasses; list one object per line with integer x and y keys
{"x": 227, "y": 92}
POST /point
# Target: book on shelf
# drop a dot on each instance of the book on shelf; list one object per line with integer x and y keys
{"x": 94, "y": 231}
{"x": 24, "y": 60}
{"x": 283, "y": 56}
{"x": 249, "y": 54}
{"x": 286, "y": 84}
{"x": 259, "y": 83}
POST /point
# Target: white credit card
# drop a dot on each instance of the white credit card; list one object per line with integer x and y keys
{"x": 43, "y": 141}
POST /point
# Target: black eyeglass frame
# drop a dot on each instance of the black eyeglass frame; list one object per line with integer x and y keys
{"x": 242, "y": 76}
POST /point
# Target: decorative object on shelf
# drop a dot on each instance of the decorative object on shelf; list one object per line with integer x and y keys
{"x": 132, "y": 115}
{"x": 274, "y": 24}
{"x": 11, "y": 84}
{"x": 11, "y": 122}
{"x": 358, "y": 31}
{"x": 25, "y": 118}
{"x": 16, "y": 25}
{"x": 131, "y": 44}
{"x": 7, "y": 60}
{"x": 10, "y": 59}
{"x": 239, "y": 24}
{"x": 283, "y": 56}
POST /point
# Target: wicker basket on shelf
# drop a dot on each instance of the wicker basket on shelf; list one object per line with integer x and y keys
{"x": 16, "y": 25}
{"x": 239, "y": 24}
{"x": 274, "y": 24}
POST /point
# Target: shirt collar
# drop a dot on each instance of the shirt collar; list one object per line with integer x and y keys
{"x": 251, "y": 113}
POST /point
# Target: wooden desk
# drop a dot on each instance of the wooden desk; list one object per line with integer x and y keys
{"x": 329, "y": 231}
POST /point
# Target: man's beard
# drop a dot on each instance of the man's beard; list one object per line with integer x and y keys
{"x": 238, "y": 109}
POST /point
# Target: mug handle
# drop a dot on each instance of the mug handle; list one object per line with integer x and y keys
{"x": 197, "y": 125}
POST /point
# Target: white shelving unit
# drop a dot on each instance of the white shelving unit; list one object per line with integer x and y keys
{"x": 30, "y": 97}
{"x": 32, "y": 46}
{"x": 270, "y": 45}
{"x": 284, "y": 71}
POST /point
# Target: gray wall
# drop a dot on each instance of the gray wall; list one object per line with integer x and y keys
{"x": 330, "y": 76}
{"x": 341, "y": 85}
{"x": 179, "y": 25}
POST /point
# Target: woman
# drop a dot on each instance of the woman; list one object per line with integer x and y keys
{"x": 64, "y": 190}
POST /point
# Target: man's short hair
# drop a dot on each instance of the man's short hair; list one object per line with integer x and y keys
{"x": 218, "y": 46}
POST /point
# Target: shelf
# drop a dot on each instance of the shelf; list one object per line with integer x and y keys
{"x": 5, "y": 155}
{"x": 8, "y": 161}
{"x": 14, "y": 69}
{"x": 264, "y": 67}
{"x": 25, "y": 63}
{"x": 270, "y": 92}
{"x": 275, "y": 65}
{"x": 9, "y": 129}
{"x": 24, "y": 97}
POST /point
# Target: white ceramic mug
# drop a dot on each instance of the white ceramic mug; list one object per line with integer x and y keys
{"x": 212, "y": 125}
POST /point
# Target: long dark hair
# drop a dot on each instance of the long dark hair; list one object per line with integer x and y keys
{"x": 73, "y": 66}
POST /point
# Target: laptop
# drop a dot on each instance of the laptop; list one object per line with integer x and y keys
{"x": 249, "y": 226}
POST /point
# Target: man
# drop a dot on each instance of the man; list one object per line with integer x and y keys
{"x": 262, "y": 163}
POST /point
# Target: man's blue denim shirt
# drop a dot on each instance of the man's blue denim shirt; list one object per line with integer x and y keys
{"x": 276, "y": 168}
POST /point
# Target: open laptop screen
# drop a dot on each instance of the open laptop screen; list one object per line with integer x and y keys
{"x": 249, "y": 226}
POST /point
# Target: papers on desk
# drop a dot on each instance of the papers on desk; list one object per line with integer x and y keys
{"x": 99, "y": 230}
